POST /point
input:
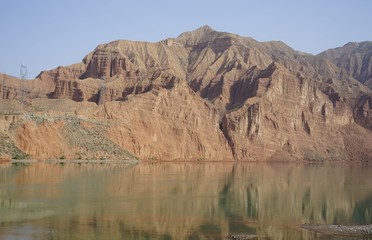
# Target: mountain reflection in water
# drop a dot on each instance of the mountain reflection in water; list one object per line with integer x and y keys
{"x": 180, "y": 200}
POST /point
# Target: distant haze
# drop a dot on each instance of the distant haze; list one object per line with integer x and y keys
{"x": 46, "y": 34}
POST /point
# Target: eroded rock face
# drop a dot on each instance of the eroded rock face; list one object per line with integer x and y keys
{"x": 56, "y": 136}
{"x": 288, "y": 117}
{"x": 355, "y": 58}
{"x": 40, "y": 140}
{"x": 166, "y": 125}
{"x": 209, "y": 95}
{"x": 363, "y": 112}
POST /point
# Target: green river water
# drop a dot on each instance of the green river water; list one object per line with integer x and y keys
{"x": 180, "y": 200}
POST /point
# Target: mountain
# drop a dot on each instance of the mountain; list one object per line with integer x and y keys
{"x": 355, "y": 58}
{"x": 205, "y": 95}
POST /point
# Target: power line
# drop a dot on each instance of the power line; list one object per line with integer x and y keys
{"x": 23, "y": 74}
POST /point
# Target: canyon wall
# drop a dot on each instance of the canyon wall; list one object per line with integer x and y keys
{"x": 206, "y": 95}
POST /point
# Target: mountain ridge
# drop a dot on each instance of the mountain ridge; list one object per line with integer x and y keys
{"x": 355, "y": 58}
{"x": 205, "y": 95}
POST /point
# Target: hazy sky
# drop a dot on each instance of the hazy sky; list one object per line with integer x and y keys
{"x": 45, "y": 34}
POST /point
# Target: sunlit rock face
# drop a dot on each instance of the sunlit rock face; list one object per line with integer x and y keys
{"x": 355, "y": 59}
{"x": 205, "y": 95}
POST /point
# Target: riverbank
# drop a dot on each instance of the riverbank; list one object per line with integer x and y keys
{"x": 79, "y": 161}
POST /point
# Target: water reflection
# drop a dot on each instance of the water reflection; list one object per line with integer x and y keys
{"x": 181, "y": 200}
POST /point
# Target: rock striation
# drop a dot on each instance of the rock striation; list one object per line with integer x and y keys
{"x": 355, "y": 58}
{"x": 205, "y": 95}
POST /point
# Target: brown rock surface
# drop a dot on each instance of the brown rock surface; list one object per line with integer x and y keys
{"x": 4, "y": 158}
{"x": 355, "y": 58}
{"x": 206, "y": 95}
{"x": 167, "y": 125}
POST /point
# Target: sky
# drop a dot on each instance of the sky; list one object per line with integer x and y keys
{"x": 45, "y": 34}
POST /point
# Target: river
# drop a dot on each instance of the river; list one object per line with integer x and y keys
{"x": 180, "y": 200}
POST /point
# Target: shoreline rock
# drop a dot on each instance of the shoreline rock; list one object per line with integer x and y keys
{"x": 4, "y": 158}
{"x": 241, "y": 237}
{"x": 343, "y": 230}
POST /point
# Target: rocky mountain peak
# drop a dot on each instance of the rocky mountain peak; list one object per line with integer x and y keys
{"x": 355, "y": 58}
{"x": 199, "y": 32}
{"x": 192, "y": 38}
{"x": 205, "y": 28}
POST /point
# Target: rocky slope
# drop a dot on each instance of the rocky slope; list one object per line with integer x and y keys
{"x": 355, "y": 58}
{"x": 205, "y": 95}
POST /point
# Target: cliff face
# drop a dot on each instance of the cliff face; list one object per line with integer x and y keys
{"x": 167, "y": 125}
{"x": 207, "y": 95}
